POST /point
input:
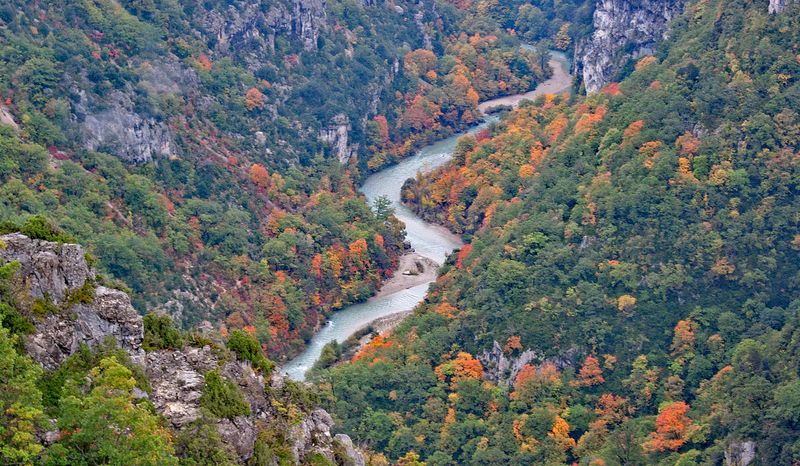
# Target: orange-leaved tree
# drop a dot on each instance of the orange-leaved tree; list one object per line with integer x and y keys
{"x": 253, "y": 99}
{"x": 259, "y": 175}
{"x": 590, "y": 374}
{"x": 673, "y": 428}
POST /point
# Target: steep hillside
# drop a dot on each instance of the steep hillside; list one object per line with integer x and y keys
{"x": 207, "y": 152}
{"x": 119, "y": 389}
{"x": 622, "y": 30}
{"x": 630, "y": 291}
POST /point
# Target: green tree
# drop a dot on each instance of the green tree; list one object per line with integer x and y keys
{"x": 247, "y": 348}
{"x": 160, "y": 333}
{"x": 222, "y": 398}
{"x": 105, "y": 426}
{"x": 200, "y": 444}
{"x": 20, "y": 404}
{"x": 383, "y": 208}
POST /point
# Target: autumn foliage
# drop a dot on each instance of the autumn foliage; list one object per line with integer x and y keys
{"x": 590, "y": 373}
{"x": 673, "y": 428}
{"x": 253, "y": 99}
{"x": 464, "y": 366}
{"x": 259, "y": 174}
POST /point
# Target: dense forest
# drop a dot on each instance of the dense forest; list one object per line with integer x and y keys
{"x": 207, "y": 153}
{"x": 196, "y": 160}
{"x": 99, "y": 405}
{"x": 629, "y": 293}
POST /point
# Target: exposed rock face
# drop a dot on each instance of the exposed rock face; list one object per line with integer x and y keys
{"x": 118, "y": 129}
{"x": 778, "y": 6}
{"x": 46, "y": 268}
{"x": 167, "y": 76}
{"x": 347, "y": 444}
{"x": 114, "y": 123}
{"x": 499, "y": 368}
{"x": 337, "y": 135}
{"x": 248, "y": 29}
{"x": 623, "y": 29}
{"x": 109, "y": 314}
{"x": 740, "y": 453}
{"x": 6, "y": 118}
{"x": 51, "y": 271}
{"x": 314, "y": 429}
{"x": 177, "y": 379}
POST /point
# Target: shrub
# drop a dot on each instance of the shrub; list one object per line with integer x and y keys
{"x": 78, "y": 366}
{"x": 201, "y": 445}
{"x": 222, "y": 398}
{"x": 38, "y": 227}
{"x": 247, "y": 348}
{"x": 82, "y": 295}
{"x": 318, "y": 459}
{"x": 160, "y": 333}
{"x": 44, "y": 306}
{"x": 271, "y": 447}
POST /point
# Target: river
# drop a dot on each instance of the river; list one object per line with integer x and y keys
{"x": 428, "y": 240}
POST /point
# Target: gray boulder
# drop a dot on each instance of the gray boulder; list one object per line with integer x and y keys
{"x": 50, "y": 271}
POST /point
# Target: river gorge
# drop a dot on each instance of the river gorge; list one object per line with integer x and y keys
{"x": 431, "y": 243}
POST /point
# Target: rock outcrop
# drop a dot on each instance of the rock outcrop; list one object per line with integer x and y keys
{"x": 117, "y": 128}
{"x": 58, "y": 274}
{"x": 46, "y": 268}
{"x": 337, "y": 135}
{"x": 778, "y": 6}
{"x": 740, "y": 453}
{"x": 6, "y": 118}
{"x": 177, "y": 378}
{"x": 120, "y": 124}
{"x": 248, "y": 29}
{"x": 52, "y": 273}
{"x": 503, "y": 370}
{"x": 623, "y": 29}
{"x": 110, "y": 314}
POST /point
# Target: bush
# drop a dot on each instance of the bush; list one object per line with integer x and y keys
{"x": 43, "y": 307}
{"x": 78, "y": 366}
{"x": 38, "y": 227}
{"x": 160, "y": 333}
{"x": 201, "y": 445}
{"x": 271, "y": 448}
{"x": 222, "y": 398}
{"x": 82, "y": 295}
{"x": 247, "y": 348}
{"x": 7, "y": 227}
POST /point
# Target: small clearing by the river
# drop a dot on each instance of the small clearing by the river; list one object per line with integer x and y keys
{"x": 409, "y": 275}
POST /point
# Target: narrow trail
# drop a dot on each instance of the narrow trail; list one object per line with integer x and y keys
{"x": 431, "y": 243}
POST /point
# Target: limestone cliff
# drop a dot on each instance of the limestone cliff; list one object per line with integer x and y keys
{"x": 52, "y": 275}
{"x": 623, "y": 29}
{"x": 337, "y": 135}
{"x": 117, "y": 127}
{"x": 56, "y": 280}
{"x": 124, "y": 123}
{"x": 778, "y": 6}
{"x": 503, "y": 369}
{"x": 248, "y": 29}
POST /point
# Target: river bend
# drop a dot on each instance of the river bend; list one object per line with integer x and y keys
{"x": 428, "y": 240}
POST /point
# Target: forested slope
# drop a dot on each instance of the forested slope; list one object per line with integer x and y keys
{"x": 208, "y": 152}
{"x": 630, "y": 291}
